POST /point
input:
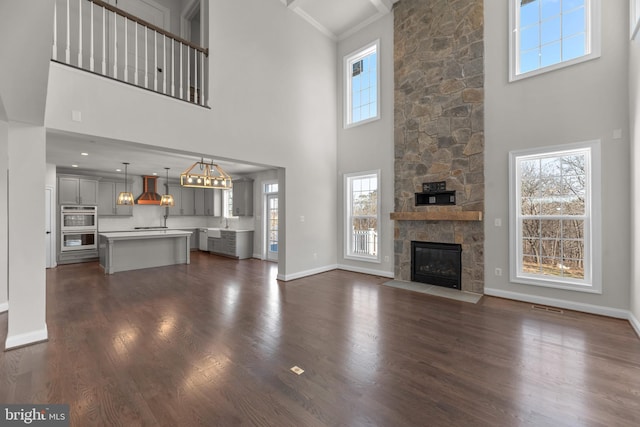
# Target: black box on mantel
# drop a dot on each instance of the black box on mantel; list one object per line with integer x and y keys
{"x": 436, "y": 198}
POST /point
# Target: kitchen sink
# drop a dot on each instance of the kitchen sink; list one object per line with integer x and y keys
{"x": 213, "y": 232}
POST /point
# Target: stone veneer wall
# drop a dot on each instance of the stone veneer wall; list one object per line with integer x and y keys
{"x": 439, "y": 125}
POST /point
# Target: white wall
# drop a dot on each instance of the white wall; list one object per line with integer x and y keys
{"x": 369, "y": 146}
{"x": 634, "y": 114}
{"x": 583, "y": 102}
{"x": 273, "y": 101}
{"x": 26, "y": 235}
{"x": 4, "y": 240}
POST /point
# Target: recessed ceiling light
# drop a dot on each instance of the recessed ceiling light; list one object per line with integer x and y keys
{"x": 155, "y": 173}
{"x": 74, "y": 166}
{"x": 84, "y": 154}
{"x": 118, "y": 170}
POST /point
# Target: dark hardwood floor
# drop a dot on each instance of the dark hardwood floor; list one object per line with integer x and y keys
{"x": 212, "y": 344}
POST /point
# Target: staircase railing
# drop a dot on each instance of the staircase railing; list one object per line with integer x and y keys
{"x": 100, "y": 38}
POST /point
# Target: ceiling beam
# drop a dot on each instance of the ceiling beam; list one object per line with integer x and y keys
{"x": 383, "y": 6}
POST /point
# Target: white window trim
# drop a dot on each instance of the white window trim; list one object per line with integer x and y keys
{"x": 348, "y": 59}
{"x": 593, "y": 12}
{"x": 634, "y": 15}
{"x": 347, "y": 216}
{"x": 593, "y": 250}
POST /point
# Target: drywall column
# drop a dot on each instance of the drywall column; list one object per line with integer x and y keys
{"x": 4, "y": 145}
{"x": 26, "y": 230}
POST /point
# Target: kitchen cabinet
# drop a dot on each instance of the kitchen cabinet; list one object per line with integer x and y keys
{"x": 208, "y": 202}
{"x": 185, "y": 201}
{"x": 74, "y": 190}
{"x": 107, "y": 194}
{"x": 233, "y": 243}
{"x": 243, "y": 197}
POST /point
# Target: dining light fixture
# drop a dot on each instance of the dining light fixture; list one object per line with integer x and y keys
{"x": 125, "y": 197}
{"x": 167, "y": 199}
{"x": 209, "y": 175}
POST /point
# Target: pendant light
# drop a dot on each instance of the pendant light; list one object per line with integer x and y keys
{"x": 167, "y": 199}
{"x": 125, "y": 197}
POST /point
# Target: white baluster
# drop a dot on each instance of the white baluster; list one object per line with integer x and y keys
{"x": 173, "y": 68}
{"x": 202, "y": 78}
{"x": 181, "y": 93}
{"x": 67, "y": 52}
{"x": 79, "y": 33}
{"x": 104, "y": 42}
{"x": 146, "y": 59}
{"x": 115, "y": 45}
{"x": 91, "y": 61}
{"x": 164, "y": 64}
{"x": 126, "y": 50}
{"x": 188, "y": 73}
{"x": 155, "y": 60}
{"x": 54, "y": 48}
{"x": 135, "y": 72}
{"x": 195, "y": 76}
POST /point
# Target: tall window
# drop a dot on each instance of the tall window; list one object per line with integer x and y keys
{"x": 362, "y": 216}
{"x": 361, "y": 85}
{"x": 555, "y": 217}
{"x": 227, "y": 203}
{"x": 550, "y": 34}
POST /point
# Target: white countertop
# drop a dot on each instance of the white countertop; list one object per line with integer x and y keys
{"x": 143, "y": 234}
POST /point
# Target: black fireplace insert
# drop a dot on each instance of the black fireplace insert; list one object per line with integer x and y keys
{"x": 436, "y": 264}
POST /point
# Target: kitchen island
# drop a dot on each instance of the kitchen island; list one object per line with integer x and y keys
{"x": 133, "y": 250}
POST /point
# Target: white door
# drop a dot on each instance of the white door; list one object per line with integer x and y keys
{"x": 272, "y": 227}
{"x": 48, "y": 229}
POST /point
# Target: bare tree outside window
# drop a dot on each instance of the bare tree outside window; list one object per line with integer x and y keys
{"x": 552, "y": 197}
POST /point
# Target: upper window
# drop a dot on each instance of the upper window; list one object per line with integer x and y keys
{"x": 227, "y": 203}
{"x": 361, "y": 85}
{"x": 362, "y": 216}
{"x": 551, "y": 34}
{"x": 555, "y": 217}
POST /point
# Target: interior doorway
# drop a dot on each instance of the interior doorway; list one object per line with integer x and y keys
{"x": 271, "y": 219}
{"x": 50, "y": 241}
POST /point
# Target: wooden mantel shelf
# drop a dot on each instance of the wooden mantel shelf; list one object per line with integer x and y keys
{"x": 437, "y": 216}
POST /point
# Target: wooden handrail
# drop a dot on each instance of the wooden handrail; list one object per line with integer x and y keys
{"x": 150, "y": 26}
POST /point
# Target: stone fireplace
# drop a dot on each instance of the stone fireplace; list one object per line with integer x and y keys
{"x": 439, "y": 130}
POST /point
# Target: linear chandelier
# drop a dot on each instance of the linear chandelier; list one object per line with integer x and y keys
{"x": 206, "y": 175}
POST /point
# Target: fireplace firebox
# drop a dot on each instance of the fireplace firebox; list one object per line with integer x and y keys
{"x": 436, "y": 264}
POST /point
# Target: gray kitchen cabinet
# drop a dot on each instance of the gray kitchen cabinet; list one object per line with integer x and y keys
{"x": 243, "y": 197}
{"x": 188, "y": 196}
{"x": 233, "y": 243}
{"x": 74, "y": 190}
{"x": 208, "y": 202}
{"x": 107, "y": 194}
{"x": 176, "y": 209}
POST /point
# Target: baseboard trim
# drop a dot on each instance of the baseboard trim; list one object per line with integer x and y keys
{"x": 370, "y": 271}
{"x": 553, "y": 302}
{"x": 4, "y": 307}
{"x": 25, "y": 339}
{"x": 301, "y": 274}
{"x": 635, "y": 324}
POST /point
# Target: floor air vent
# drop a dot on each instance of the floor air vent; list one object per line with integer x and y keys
{"x": 547, "y": 309}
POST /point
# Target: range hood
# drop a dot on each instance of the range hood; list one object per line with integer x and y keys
{"x": 149, "y": 194}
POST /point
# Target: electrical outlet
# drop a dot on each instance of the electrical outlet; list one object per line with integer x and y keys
{"x": 498, "y": 271}
{"x": 497, "y": 222}
{"x": 315, "y": 255}
{"x": 301, "y": 218}
{"x": 386, "y": 258}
